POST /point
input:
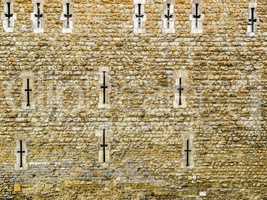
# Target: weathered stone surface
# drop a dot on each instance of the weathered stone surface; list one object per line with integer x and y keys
{"x": 225, "y": 111}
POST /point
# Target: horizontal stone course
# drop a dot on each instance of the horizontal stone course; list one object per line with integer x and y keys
{"x": 225, "y": 109}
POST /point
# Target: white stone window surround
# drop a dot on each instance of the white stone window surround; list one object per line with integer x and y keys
{"x": 9, "y": 17}
{"x": 188, "y": 138}
{"x": 21, "y": 158}
{"x": 180, "y": 89}
{"x": 104, "y": 135}
{"x": 197, "y": 18}
{"x": 38, "y": 24}
{"x": 139, "y": 22}
{"x": 66, "y": 17}
{"x": 27, "y": 78}
{"x": 168, "y": 26}
{"x": 250, "y": 32}
{"x": 104, "y": 88}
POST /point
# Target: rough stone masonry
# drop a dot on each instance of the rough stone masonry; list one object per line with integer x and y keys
{"x": 59, "y": 138}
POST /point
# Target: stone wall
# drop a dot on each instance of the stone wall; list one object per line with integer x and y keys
{"x": 225, "y": 113}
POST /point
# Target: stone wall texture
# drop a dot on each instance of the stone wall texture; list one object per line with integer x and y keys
{"x": 225, "y": 113}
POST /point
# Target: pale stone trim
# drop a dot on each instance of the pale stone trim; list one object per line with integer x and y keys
{"x": 12, "y": 19}
{"x": 252, "y": 4}
{"x": 24, "y": 76}
{"x": 107, "y": 141}
{"x": 107, "y": 77}
{"x": 66, "y": 29}
{"x": 24, "y": 156}
{"x": 138, "y": 29}
{"x": 192, "y": 153}
{"x": 33, "y": 18}
{"x": 171, "y": 28}
{"x": 177, "y": 75}
{"x": 199, "y": 29}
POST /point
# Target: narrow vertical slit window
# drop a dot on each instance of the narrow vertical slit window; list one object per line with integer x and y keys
{"x": 9, "y": 16}
{"x": 252, "y": 19}
{"x": 188, "y": 152}
{"x": 168, "y": 18}
{"x": 180, "y": 90}
{"x": 67, "y": 17}
{"x": 38, "y": 16}
{"x": 103, "y": 146}
{"x": 27, "y": 91}
{"x": 139, "y": 16}
{"x": 196, "y": 17}
{"x": 21, "y": 153}
{"x": 104, "y": 88}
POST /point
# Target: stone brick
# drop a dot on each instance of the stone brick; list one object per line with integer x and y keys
{"x": 225, "y": 113}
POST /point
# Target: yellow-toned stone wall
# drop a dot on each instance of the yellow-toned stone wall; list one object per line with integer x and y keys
{"x": 225, "y": 111}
